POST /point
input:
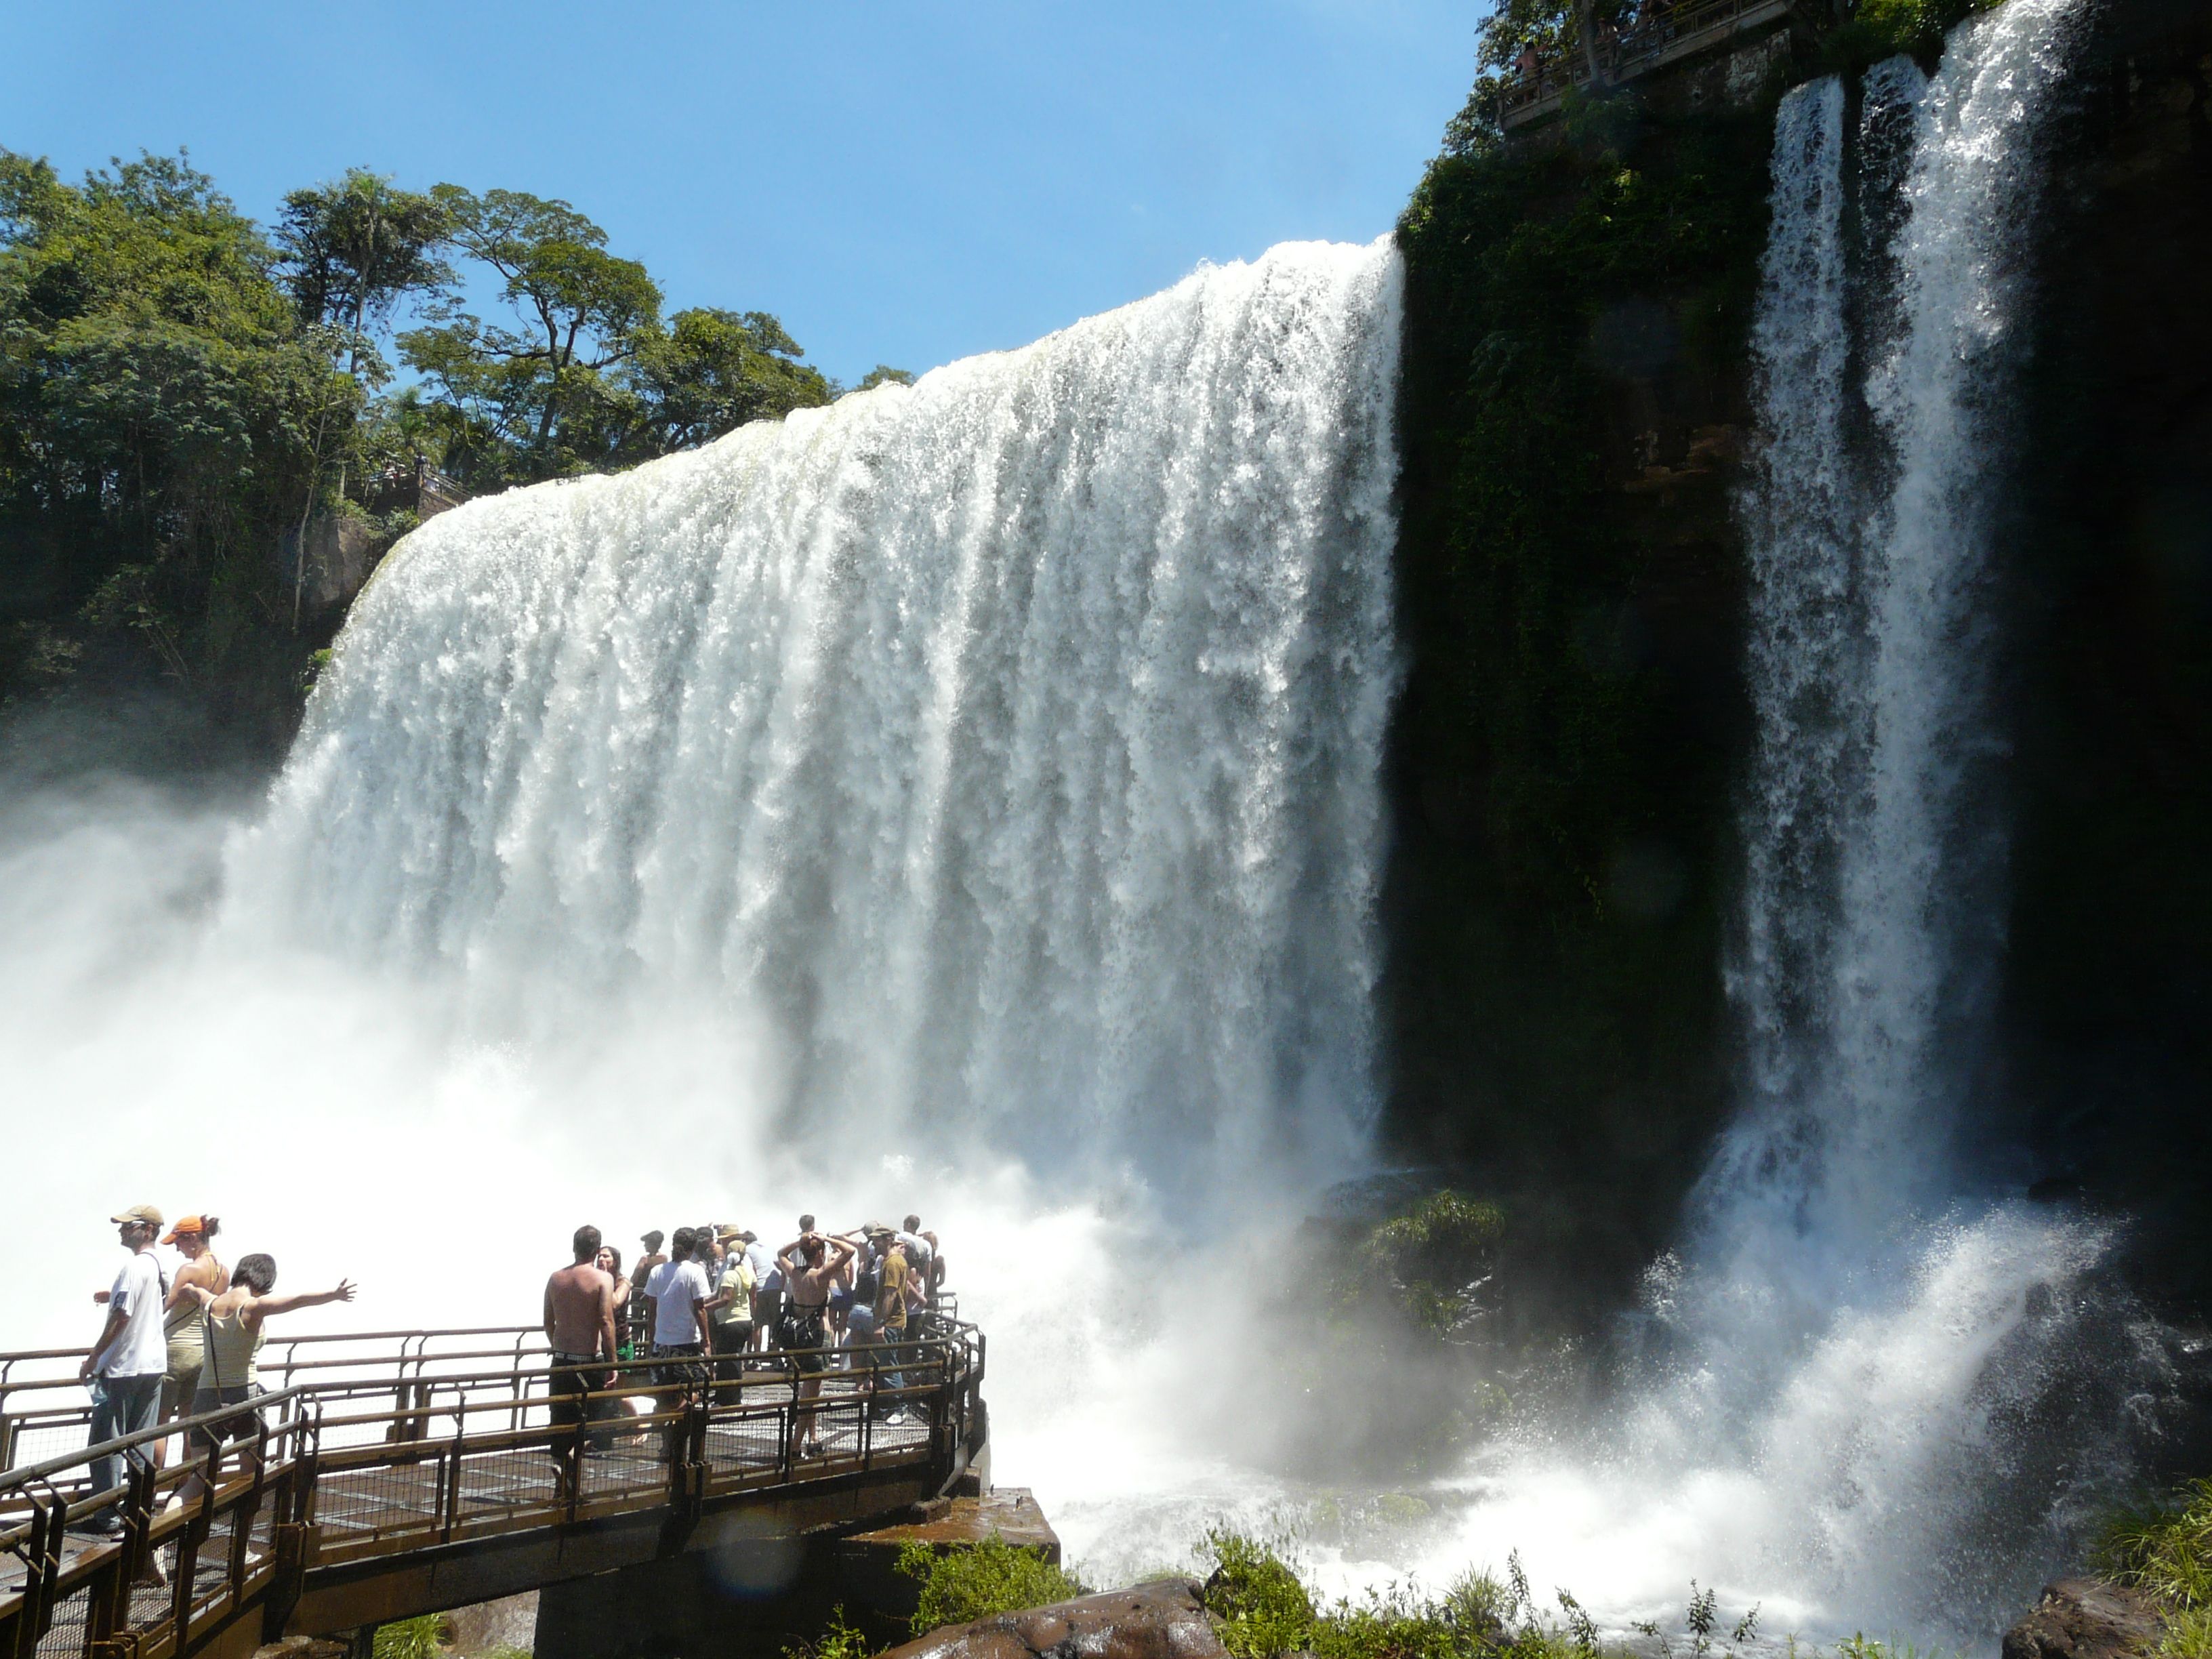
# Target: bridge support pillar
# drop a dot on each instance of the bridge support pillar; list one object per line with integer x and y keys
{"x": 752, "y": 1597}
{"x": 747, "y": 1600}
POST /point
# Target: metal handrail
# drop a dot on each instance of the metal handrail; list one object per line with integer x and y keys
{"x": 73, "y": 1593}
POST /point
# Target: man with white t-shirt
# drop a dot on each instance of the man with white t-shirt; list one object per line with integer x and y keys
{"x": 681, "y": 1332}
{"x": 126, "y": 1366}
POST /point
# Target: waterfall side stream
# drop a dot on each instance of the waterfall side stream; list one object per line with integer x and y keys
{"x": 1868, "y": 1396}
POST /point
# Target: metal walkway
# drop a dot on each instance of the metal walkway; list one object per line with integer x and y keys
{"x": 402, "y": 1472}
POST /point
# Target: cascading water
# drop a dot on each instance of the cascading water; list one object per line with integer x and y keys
{"x": 1871, "y": 1403}
{"x": 1005, "y": 748}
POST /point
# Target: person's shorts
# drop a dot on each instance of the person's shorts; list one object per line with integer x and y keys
{"x": 242, "y": 1426}
{"x": 679, "y": 1365}
{"x": 800, "y": 1334}
{"x": 181, "y": 1386}
{"x": 841, "y": 1298}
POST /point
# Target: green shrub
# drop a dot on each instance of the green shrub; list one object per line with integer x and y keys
{"x": 412, "y": 1638}
{"x": 986, "y": 1577}
{"x": 839, "y": 1640}
{"x": 2163, "y": 1549}
{"x": 1862, "y": 1646}
{"x": 1263, "y": 1609}
{"x": 2188, "y": 1635}
{"x": 1438, "y": 1257}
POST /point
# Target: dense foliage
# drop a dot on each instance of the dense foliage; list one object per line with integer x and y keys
{"x": 1263, "y": 1611}
{"x": 988, "y": 1576}
{"x": 182, "y": 394}
{"x": 160, "y": 400}
{"x": 2165, "y": 1550}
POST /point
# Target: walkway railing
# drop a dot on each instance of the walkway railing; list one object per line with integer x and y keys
{"x": 352, "y": 1458}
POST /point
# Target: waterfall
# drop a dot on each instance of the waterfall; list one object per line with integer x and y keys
{"x": 1004, "y": 750}
{"x": 1872, "y": 1397}
{"x": 1873, "y": 836}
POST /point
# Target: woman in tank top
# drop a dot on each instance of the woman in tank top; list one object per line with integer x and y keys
{"x": 183, "y": 1325}
{"x": 235, "y": 1325}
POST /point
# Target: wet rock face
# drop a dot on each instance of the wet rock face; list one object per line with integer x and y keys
{"x": 2085, "y": 1619}
{"x": 1163, "y": 1620}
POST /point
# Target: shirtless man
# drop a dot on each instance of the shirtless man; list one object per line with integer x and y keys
{"x": 811, "y": 1265}
{"x": 580, "y": 1325}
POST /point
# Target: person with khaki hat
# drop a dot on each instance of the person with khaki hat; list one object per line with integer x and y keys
{"x": 126, "y": 1366}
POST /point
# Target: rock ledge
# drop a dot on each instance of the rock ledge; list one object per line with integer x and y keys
{"x": 1162, "y": 1621}
{"x": 2085, "y": 1619}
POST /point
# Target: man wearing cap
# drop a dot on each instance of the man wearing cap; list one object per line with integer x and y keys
{"x": 125, "y": 1367}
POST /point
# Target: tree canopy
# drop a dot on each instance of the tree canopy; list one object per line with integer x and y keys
{"x": 182, "y": 393}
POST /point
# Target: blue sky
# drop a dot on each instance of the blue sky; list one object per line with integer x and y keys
{"x": 899, "y": 180}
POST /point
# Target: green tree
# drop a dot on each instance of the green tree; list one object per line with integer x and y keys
{"x": 158, "y": 399}
{"x": 353, "y": 249}
{"x": 711, "y": 371}
{"x": 580, "y": 312}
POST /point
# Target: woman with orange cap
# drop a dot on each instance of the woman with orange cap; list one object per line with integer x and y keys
{"x": 182, "y": 1322}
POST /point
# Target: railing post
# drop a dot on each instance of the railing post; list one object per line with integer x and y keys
{"x": 189, "y": 1540}
{"x": 453, "y": 1459}
{"x": 49, "y": 1520}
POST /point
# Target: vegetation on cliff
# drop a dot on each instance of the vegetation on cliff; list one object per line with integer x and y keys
{"x": 1570, "y": 595}
{"x": 2165, "y": 1550}
{"x": 182, "y": 393}
{"x": 990, "y": 1575}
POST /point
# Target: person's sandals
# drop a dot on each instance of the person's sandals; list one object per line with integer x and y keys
{"x": 812, "y": 1449}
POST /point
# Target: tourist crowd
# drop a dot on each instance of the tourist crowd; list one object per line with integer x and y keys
{"x": 717, "y": 1296}
{"x": 187, "y": 1344}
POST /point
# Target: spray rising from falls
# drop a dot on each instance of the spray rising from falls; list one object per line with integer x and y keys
{"x": 1872, "y": 1399}
{"x": 1004, "y": 750}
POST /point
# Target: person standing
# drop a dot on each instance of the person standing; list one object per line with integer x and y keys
{"x": 126, "y": 1365}
{"x": 768, "y": 1301}
{"x": 892, "y": 1298}
{"x": 184, "y": 1327}
{"x": 580, "y": 1327}
{"x": 609, "y": 1262}
{"x": 921, "y": 1259}
{"x": 681, "y": 1332}
{"x": 640, "y": 1277}
{"x": 235, "y": 1331}
{"x": 732, "y": 1309}
{"x": 811, "y": 1265}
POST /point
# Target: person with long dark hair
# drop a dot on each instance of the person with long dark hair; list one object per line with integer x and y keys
{"x": 236, "y": 1326}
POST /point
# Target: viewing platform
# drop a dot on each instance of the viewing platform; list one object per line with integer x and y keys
{"x": 397, "y": 1474}
{"x": 1740, "y": 38}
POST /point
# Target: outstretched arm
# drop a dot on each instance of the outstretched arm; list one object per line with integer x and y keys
{"x": 265, "y": 1306}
